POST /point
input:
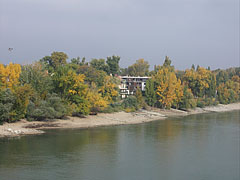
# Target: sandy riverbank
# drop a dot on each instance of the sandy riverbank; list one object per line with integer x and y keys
{"x": 24, "y": 127}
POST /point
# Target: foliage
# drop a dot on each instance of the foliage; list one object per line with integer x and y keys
{"x": 23, "y": 95}
{"x": 13, "y": 103}
{"x": 51, "y": 108}
{"x": 67, "y": 83}
{"x": 187, "y": 100}
{"x": 167, "y": 64}
{"x": 113, "y": 64}
{"x": 114, "y": 107}
{"x": 79, "y": 62}
{"x": 140, "y": 68}
{"x": 52, "y": 87}
{"x": 130, "y": 103}
{"x": 139, "y": 97}
{"x": 228, "y": 92}
{"x": 97, "y": 102}
{"x": 168, "y": 87}
{"x": 198, "y": 81}
{"x": 54, "y": 61}
{"x": 92, "y": 75}
{"x": 99, "y": 64}
{"x": 150, "y": 92}
{"x": 9, "y": 75}
{"x": 109, "y": 90}
{"x": 7, "y": 106}
{"x": 37, "y": 78}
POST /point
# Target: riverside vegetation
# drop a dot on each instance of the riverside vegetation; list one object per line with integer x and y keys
{"x": 53, "y": 88}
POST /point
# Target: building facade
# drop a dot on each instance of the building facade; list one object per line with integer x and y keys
{"x": 129, "y": 85}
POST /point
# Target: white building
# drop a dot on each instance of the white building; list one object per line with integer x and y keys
{"x": 129, "y": 84}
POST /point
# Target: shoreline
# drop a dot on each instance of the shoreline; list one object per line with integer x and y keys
{"x": 24, "y": 127}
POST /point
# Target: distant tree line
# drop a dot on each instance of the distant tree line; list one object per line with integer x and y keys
{"x": 53, "y": 87}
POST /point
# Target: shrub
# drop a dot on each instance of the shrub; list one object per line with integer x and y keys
{"x": 187, "y": 100}
{"x": 116, "y": 107}
{"x": 130, "y": 102}
{"x": 200, "y": 103}
{"x": 50, "y": 108}
{"x": 8, "y": 106}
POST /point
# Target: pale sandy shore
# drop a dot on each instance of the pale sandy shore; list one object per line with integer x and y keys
{"x": 24, "y": 127}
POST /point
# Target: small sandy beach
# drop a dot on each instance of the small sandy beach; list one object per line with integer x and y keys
{"x": 24, "y": 127}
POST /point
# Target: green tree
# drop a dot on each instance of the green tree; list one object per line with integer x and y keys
{"x": 59, "y": 58}
{"x": 140, "y": 68}
{"x": 139, "y": 97}
{"x": 8, "y": 106}
{"x": 38, "y": 78}
{"x": 92, "y": 75}
{"x": 187, "y": 100}
{"x": 50, "y": 108}
{"x": 211, "y": 90}
{"x": 113, "y": 63}
{"x": 99, "y": 64}
{"x": 78, "y": 61}
{"x": 167, "y": 64}
{"x": 55, "y": 60}
{"x": 150, "y": 93}
{"x": 130, "y": 103}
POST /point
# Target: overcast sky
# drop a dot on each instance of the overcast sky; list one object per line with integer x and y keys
{"x": 204, "y": 32}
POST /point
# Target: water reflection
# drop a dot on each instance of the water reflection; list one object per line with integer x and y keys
{"x": 194, "y": 147}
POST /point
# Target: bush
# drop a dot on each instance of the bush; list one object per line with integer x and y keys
{"x": 187, "y": 100}
{"x": 116, "y": 107}
{"x": 130, "y": 102}
{"x": 50, "y": 108}
{"x": 200, "y": 103}
{"x": 8, "y": 107}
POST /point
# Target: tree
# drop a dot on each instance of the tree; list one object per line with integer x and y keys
{"x": 92, "y": 75}
{"x": 55, "y": 60}
{"x": 139, "y": 97}
{"x": 193, "y": 67}
{"x": 140, "y": 68}
{"x": 50, "y": 108}
{"x": 211, "y": 90}
{"x": 168, "y": 89}
{"x": 9, "y": 75}
{"x": 167, "y": 64}
{"x": 130, "y": 103}
{"x": 150, "y": 92}
{"x": 38, "y": 78}
{"x": 70, "y": 86}
{"x": 198, "y": 81}
{"x": 99, "y": 64}
{"x": 222, "y": 77}
{"x": 7, "y": 106}
{"x": 59, "y": 58}
{"x": 113, "y": 63}
{"x": 187, "y": 100}
{"x": 97, "y": 102}
{"x": 23, "y": 94}
{"x": 78, "y": 61}
{"x": 109, "y": 90}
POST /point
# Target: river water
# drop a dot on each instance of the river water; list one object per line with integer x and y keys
{"x": 196, "y": 147}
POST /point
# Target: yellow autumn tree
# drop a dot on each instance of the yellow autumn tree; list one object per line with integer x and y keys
{"x": 169, "y": 89}
{"x": 198, "y": 81}
{"x": 9, "y": 75}
{"x": 109, "y": 89}
{"x": 97, "y": 102}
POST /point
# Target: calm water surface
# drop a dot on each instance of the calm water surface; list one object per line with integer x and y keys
{"x": 199, "y": 147}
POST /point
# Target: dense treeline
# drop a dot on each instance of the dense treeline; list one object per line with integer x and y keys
{"x": 53, "y": 88}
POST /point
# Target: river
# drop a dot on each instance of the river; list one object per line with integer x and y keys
{"x": 196, "y": 147}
